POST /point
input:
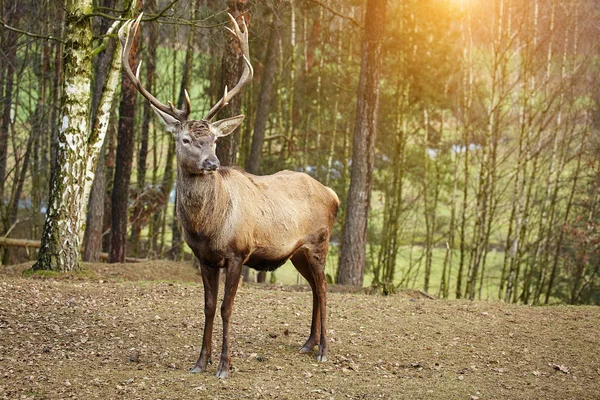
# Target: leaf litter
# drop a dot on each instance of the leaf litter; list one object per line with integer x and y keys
{"x": 132, "y": 331}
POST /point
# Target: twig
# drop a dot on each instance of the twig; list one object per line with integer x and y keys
{"x": 427, "y": 295}
{"x": 104, "y": 43}
{"x": 35, "y": 35}
{"x": 10, "y": 229}
{"x": 108, "y": 16}
{"x": 331, "y": 10}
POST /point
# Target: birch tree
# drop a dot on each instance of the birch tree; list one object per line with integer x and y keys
{"x": 79, "y": 142}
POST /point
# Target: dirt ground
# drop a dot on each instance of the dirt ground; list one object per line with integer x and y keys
{"x": 133, "y": 331}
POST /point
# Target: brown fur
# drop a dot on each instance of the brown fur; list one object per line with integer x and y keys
{"x": 230, "y": 218}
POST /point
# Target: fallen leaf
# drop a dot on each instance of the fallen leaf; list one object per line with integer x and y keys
{"x": 560, "y": 368}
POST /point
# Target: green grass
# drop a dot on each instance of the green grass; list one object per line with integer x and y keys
{"x": 44, "y": 274}
{"x": 411, "y": 278}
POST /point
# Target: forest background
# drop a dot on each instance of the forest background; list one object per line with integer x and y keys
{"x": 486, "y": 174}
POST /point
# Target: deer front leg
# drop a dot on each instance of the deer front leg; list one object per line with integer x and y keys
{"x": 232, "y": 280}
{"x": 210, "y": 279}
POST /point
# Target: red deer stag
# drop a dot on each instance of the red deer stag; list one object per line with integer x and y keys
{"x": 231, "y": 218}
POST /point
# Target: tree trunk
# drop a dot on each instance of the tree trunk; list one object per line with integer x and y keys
{"x": 9, "y": 48}
{"x": 148, "y": 115}
{"x": 231, "y": 70}
{"x": 124, "y": 162}
{"x": 354, "y": 240}
{"x": 177, "y": 250}
{"x": 92, "y": 242}
{"x": 92, "y": 239}
{"x": 265, "y": 96}
{"x": 264, "y": 105}
{"x": 78, "y": 145}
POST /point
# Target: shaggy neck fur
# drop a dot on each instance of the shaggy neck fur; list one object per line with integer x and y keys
{"x": 203, "y": 203}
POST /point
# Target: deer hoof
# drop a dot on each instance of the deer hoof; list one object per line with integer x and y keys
{"x": 322, "y": 358}
{"x": 222, "y": 373}
{"x": 196, "y": 370}
{"x": 305, "y": 349}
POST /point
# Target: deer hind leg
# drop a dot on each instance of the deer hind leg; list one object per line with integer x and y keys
{"x": 210, "y": 279}
{"x": 300, "y": 261}
{"x": 232, "y": 280}
{"x": 310, "y": 262}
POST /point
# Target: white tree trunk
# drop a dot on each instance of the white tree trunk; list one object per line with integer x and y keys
{"x": 78, "y": 144}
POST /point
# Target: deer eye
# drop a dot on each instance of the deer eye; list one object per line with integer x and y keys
{"x": 186, "y": 141}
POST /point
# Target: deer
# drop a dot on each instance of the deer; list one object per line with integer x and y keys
{"x": 231, "y": 218}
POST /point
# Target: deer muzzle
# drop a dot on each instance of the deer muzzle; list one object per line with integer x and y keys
{"x": 210, "y": 164}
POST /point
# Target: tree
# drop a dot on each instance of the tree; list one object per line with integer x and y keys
{"x": 354, "y": 240}
{"x": 92, "y": 242}
{"x": 265, "y": 96}
{"x": 231, "y": 67}
{"x": 120, "y": 193}
{"x": 264, "y": 103}
{"x": 78, "y": 143}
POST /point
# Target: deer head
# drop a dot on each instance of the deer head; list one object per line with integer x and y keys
{"x": 195, "y": 140}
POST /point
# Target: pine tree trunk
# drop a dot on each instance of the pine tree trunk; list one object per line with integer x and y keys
{"x": 354, "y": 240}
{"x": 147, "y": 117}
{"x": 123, "y": 166}
{"x": 177, "y": 250}
{"x": 9, "y": 50}
{"x": 231, "y": 70}
{"x": 265, "y": 97}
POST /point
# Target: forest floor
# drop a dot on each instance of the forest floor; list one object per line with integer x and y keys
{"x": 132, "y": 331}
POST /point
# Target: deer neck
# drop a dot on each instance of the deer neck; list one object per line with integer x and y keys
{"x": 203, "y": 203}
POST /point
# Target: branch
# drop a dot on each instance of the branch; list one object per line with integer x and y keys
{"x": 107, "y": 36}
{"x": 152, "y": 18}
{"x": 331, "y": 10}
{"x": 35, "y": 35}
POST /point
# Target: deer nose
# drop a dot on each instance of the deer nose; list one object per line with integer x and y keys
{"x": 210, "y": 164}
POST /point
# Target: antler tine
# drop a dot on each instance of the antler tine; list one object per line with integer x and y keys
{"x": 127, "y": 33}
{"x": 247, "y": 73}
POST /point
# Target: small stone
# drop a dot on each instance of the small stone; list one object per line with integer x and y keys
{"x": 134, "y": 357}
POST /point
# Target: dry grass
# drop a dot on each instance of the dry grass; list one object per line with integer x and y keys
{"x": 128, "y": 331}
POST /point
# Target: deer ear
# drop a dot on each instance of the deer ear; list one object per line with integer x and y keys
{"x": 226, "y": 126}
{"x": 170, "y": 123}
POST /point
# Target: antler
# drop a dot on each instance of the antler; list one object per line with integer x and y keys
{"x": 126, "y": 35}
{"x": 247, "y": 74}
